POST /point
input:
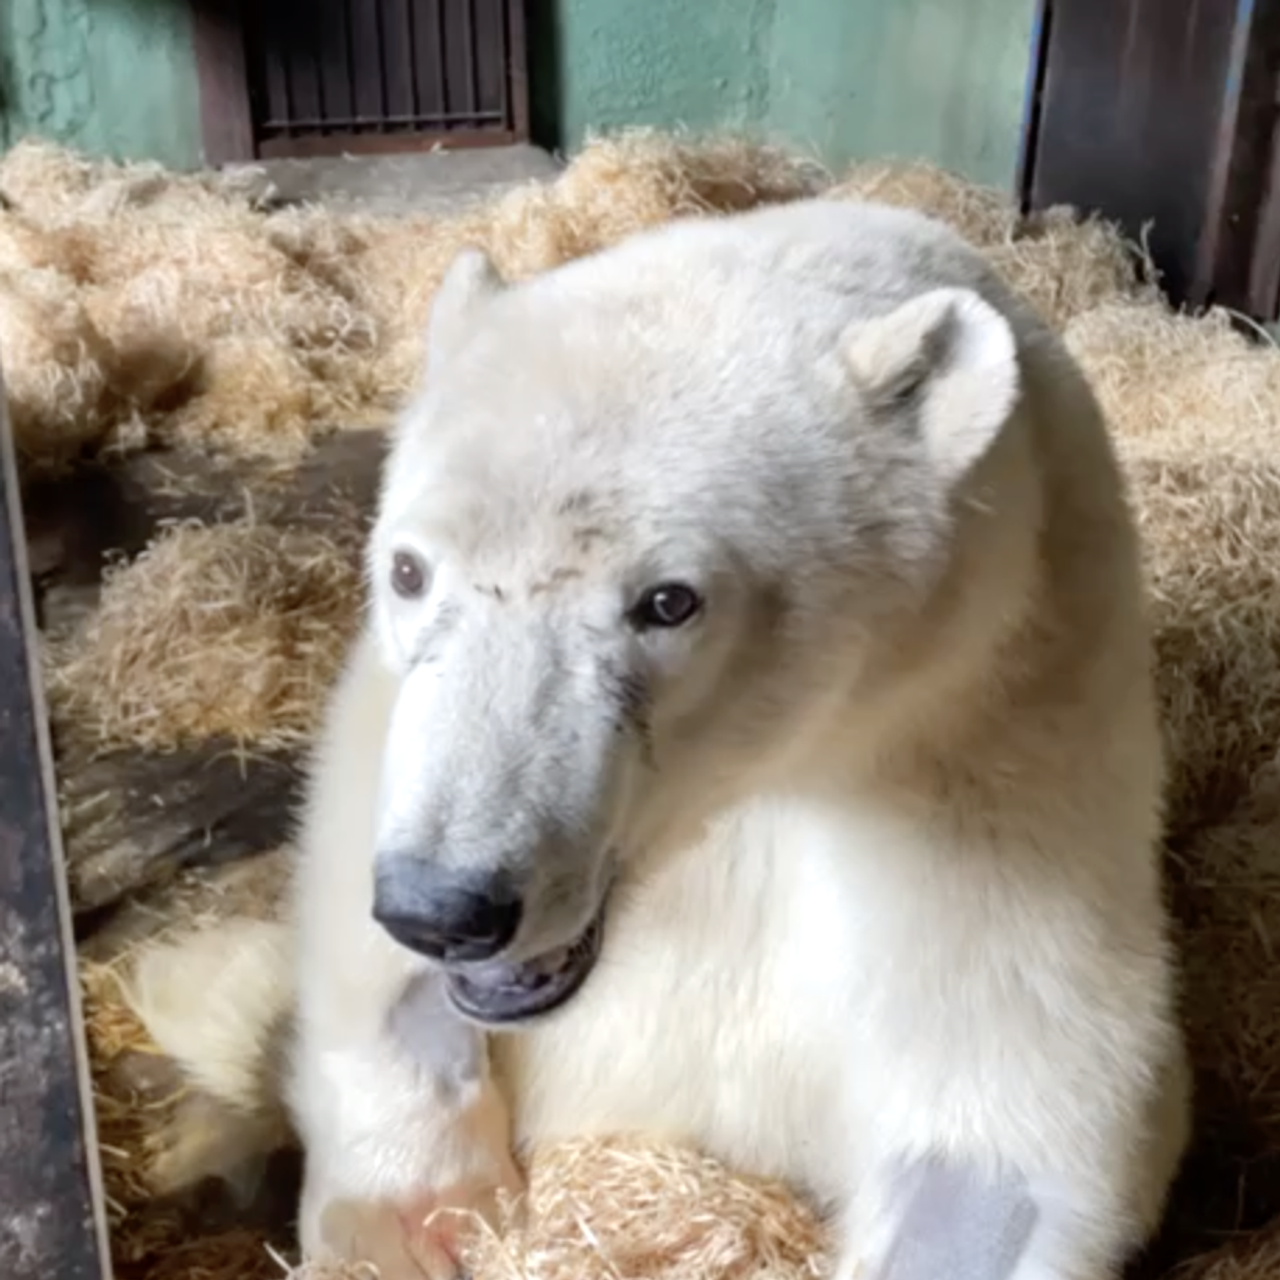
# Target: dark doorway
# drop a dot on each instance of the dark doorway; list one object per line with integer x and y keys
{"x": 322, "y": 77}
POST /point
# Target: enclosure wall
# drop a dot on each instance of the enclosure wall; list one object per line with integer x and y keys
{"x": 938, "y": 78}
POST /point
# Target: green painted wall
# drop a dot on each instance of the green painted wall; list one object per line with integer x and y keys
{"x": 942, "y": 79}
{"x": 114, "y": 77}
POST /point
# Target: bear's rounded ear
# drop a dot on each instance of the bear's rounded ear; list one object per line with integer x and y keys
{"x": 470, "y": 279}
{"x": 947, "y": 362}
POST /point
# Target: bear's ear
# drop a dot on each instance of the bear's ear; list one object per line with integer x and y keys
{"x": 949, "y": 360}
{"x": 470, "y": 280}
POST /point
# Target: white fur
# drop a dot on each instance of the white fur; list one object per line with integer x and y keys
{"x": 886, "y": 849}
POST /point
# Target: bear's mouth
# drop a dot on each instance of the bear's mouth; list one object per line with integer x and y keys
{"x": 499, "y": 993}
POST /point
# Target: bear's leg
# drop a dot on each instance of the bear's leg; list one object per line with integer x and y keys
{"x": 406, "y": 1136}
{"x": 945, "y": 1220}
{"x": 948, "y": 1220}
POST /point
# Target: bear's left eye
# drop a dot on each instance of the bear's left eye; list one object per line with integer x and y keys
{"x": 671, "y": 604}
{"x": 409, "y": 575}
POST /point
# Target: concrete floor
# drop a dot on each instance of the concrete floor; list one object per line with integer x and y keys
{"x": 424, "y": 181}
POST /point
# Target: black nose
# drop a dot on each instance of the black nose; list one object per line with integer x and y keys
{"x": 444, "y": 915}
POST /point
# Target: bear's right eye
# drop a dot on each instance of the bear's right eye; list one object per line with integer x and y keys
{"x": 409, "y": 575}
{"x": 670, "y": 605}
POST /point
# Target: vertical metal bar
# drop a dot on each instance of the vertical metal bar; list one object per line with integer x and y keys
{"x": 384, "y": 109}
{"x": 1033, "y": 97}
{"x": 349, "y": 27}
{"x": 442, "y": 62}
{"x": 504, "y": 55}
{"x": 286, "y": 82}
{"x": 317, "y": 58}
{"x": 469, "y": 36}
{"x": 411, "y": 23}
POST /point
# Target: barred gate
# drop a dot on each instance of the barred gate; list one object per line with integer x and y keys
{"x": 315, "y": 77}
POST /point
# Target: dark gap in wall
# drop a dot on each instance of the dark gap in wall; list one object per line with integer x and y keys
{"x": 543, "y": 25}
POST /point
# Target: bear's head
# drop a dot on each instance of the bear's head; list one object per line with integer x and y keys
{"x": 660, "y": 522}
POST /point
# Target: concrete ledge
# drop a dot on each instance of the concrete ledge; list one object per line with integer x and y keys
{"x": 425, "y": 181}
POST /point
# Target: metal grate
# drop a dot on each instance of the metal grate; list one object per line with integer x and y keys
{"x": 386, "y": 75}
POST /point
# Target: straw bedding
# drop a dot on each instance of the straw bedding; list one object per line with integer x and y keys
{"x": 139, "y": 310}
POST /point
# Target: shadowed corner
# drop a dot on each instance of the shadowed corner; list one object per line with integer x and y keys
{"x": 546, "y": 75}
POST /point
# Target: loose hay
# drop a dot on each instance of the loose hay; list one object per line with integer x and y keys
{"x": 1185, "y": 385}
{"x": 234, "y": 630}
{"x": 266, "y": 328}
{"x": 279, "y": 325}
{"x": 1195, "y": 406}
{"x": 639, "y": 1211}
{"x": 1212, "y": 525}
{"x": 984, "y": 217}
{"x": 177, "y": 309}
{"x": 1226, "y": 882}
{"x": 152, "y": 1239}
{"x": 1063, "y": 264}
{"x": 620, "y": 1209}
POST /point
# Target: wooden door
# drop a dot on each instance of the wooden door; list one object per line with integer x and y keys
{"x": 1162, "y": 114}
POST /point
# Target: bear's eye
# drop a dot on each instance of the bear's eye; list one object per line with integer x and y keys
{"x": 671, "y": 604}
{"x": 408, "y": 575}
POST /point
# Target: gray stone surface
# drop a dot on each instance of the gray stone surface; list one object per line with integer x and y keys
{"x": 426, "y": 181}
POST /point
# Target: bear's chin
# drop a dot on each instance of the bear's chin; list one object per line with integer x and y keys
{"x": 498, "y": 993}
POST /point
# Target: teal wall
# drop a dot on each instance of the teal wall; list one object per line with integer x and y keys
{"x": 942, "y": 79}
{"x": 114, "y": 77}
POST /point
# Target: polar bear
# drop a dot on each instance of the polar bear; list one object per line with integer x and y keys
{"x": 751, "y": 743}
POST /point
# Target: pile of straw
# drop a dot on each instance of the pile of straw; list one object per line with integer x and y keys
{"x": 136, "y": 307}
{"x": 235, "y": 629}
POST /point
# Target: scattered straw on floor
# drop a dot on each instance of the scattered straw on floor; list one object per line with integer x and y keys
{"x": 137, "y": 1098}
{"x": 137, "y": 306}
{"x": 128, "y": 1121}
{"x": 638, "y": 1211}
{"x": 234, "y": 629}
{"x": 175, "y": 308}
{"x": 1227, "y": 885}
{"x": 1064, "y": 264}
{"x": 1212, "y": 524}
{"x": 1179, "y": 384}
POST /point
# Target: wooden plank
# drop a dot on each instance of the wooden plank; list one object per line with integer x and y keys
{"x": 226, "y": 120}
{"x": 133, "y": 818}
{"x": 52, "y": 1217}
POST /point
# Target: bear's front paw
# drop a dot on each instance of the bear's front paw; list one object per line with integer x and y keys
{"x": 419, "y": 1238}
